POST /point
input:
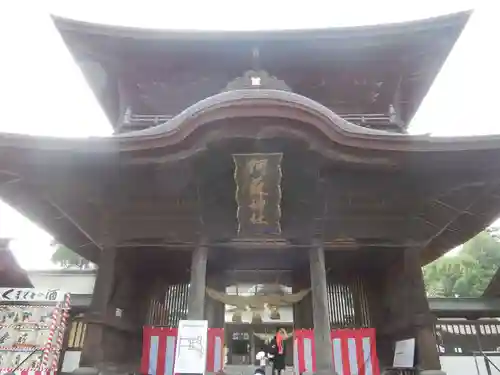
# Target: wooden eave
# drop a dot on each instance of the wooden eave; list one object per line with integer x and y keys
{"x": 54, "y": 221}
{"x": 399, "y": 30}
{"x": 11, "y": 274}
{"x": 457, "y": 215}
{"x": 30, "y": 178}
{"x": 416, "y": 51}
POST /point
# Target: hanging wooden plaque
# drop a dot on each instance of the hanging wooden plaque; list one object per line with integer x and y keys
{"x": 258, "y": 194}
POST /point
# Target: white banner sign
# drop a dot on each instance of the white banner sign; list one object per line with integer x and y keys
{"x": 191, "y": 353}
{"x": 404, "y": 354}
{"x": 30, "y": 295}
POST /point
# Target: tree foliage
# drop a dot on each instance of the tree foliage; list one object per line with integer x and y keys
{"x": 467, "y": 273}
{"x": 67, "y": 258}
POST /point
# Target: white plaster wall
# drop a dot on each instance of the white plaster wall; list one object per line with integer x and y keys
{"x": 467, "y": 365}
{"x": 72, "y": 282}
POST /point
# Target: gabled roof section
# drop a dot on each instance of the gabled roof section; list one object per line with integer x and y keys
{"x": 84, "y": 174}
{"x": 406, "y": 57}
{"x": 398, "y": 29}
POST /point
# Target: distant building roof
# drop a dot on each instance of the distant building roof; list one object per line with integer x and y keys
{"x": 11, "y": 274}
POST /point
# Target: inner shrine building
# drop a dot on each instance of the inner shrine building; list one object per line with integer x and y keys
{"x": 258, "y": 157}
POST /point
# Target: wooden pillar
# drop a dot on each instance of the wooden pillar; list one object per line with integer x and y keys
{"x": 197, "y": 285}
{"x": 427, "y": 354}
{"x": 409, "y": 315}
{"x": 374, "y": 284}
{"x": 93, "y": 351}
{"x": 322, "y": 338}
{"x": 422, "y": 319}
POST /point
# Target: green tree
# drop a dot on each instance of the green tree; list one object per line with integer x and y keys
{"x": 67, "y": 258}
{"x": 468, "y": 273}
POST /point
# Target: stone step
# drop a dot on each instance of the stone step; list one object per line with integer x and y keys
{"x": 249, "y": 370}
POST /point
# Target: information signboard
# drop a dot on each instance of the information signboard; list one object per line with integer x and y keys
{"x": 191, "y": 353}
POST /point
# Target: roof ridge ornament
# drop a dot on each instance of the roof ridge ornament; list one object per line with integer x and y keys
{"x": 257, "y": 79}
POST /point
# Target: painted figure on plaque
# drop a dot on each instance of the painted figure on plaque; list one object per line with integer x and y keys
{"x": 26, "y": 316}
{"x": 22, "y": 339}
{"x": 3, "y": 338}
{"x": 17, "y": 360}
{"x": 35, "y": 362}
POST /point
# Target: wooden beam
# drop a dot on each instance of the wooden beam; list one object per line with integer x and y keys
{"x": 334, "y": 245}
{"x": 389, "y": 227}
{"x": 169, "y": 227}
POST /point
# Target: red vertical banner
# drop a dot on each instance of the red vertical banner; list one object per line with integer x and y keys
{"x": 215, "y": 354}
{"x": 159, "y": 346}
{"x": 146, "y": 334}
{"x": 353, "y": 350}
{"x": 299, "y": 337}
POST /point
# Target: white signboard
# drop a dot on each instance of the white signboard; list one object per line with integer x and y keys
{"x": 191, "y": 353}
{"x": 404, "y": 354}
{"x": 30, "y": 295}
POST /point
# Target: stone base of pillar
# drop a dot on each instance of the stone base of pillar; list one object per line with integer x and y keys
{"x": 108, "y": 369}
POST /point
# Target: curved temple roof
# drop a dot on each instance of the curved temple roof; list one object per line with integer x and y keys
{"x": 60, "y": 182}
{"x": 455, "y": 20}
{"x": 331, "y": 66}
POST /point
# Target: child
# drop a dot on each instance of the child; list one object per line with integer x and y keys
{"x": 262, "y": 358}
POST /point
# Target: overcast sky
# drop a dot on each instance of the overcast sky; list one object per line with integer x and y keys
{"x": 44, "y": 93}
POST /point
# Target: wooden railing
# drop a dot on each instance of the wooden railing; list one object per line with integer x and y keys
{"x": 170, "y": 309}
{"x": 138, "y": 121}
{"x": 347, "y": 304}
{"x": 466, "y": 337}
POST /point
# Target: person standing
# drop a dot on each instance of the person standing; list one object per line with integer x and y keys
{"x": 277, "y": 351}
